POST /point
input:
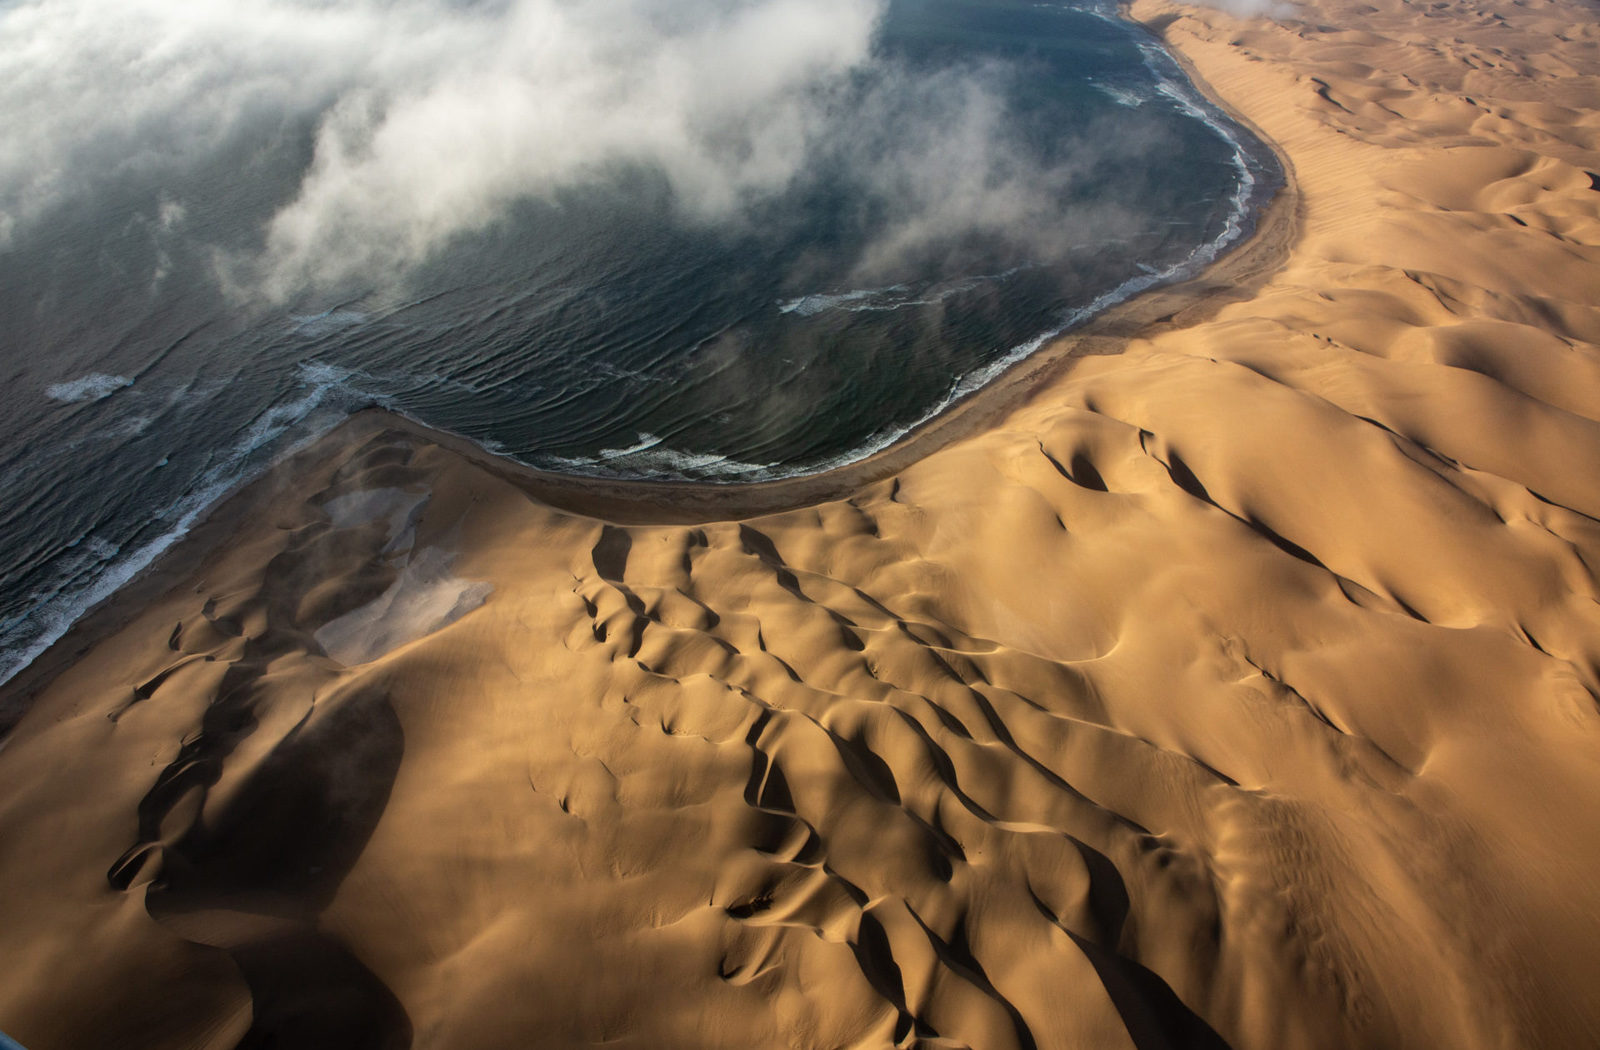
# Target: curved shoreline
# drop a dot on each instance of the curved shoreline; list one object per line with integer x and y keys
{"x": 1252, "y": 200}
{"x": 1235, "y": 688}
{"x": 1232, "y": 276}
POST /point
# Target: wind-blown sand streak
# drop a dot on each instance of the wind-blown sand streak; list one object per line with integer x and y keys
{"x": 1237, "y": 689}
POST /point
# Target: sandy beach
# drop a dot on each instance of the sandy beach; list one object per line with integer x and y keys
{"x": 1227, "y": 675}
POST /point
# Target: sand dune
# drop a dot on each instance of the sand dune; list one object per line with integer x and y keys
{"x": 1236, "y": 689}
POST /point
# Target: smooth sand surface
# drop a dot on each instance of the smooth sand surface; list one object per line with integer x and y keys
{"x": 1236, "y": 689}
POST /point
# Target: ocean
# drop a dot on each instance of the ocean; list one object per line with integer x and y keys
{"x": 751, "y": 242}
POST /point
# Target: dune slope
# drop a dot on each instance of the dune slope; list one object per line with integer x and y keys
{"x": 1235, "y": 690}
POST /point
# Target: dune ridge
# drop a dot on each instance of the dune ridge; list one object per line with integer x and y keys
{"x": 1237, "y": 689}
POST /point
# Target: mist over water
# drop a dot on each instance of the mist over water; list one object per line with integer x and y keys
{"x": 725, "y": 240}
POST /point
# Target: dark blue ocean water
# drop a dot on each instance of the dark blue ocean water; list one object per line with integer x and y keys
{"x": 994, "y": 174}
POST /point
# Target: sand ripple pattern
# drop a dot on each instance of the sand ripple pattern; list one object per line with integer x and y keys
{"x": 1237, "y": 689}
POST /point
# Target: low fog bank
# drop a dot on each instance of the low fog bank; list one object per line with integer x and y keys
{"x": 379, "y": 131}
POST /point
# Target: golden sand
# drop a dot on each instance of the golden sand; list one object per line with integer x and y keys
{"x": 1234, "y": 689}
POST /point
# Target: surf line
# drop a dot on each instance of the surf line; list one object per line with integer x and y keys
{"x": 56, "y": 612}
{"x": 1257, "y": 179}
{"x": 330, "y": 388}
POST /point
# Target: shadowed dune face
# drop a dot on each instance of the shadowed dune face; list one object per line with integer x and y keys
{"x": 249, "y": 830}
{"x": 1238, "y": 690}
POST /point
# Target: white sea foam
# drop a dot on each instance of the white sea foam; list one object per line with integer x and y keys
{"x": 53, "y": 613}
{"x": 893, "y": 297}
{"x": 104, "y": 550}
{"x": 93, "y": 387}
{"x": 811, "y": 305}
{"x": 645, "y": 442}
{"x": 314, "y": 326}
{"x": 331, "y": 386}
{"x": 1170, "y": 85}
{"x": 654, "y": 462}
{"x": 1121, "y": 96}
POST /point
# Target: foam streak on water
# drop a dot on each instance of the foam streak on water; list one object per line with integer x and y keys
{"x": 1170, "y": 84}
{"x": 57, "y": 610}
{"x": 600, "y": 336}
{"x": 96, "y": 386}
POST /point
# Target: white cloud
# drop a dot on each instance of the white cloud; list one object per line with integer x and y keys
{"x": 719, "y": 97}
{"x": 433, "y": 117}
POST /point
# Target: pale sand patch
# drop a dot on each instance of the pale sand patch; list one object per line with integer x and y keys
{"x": 396, "y": 508}
{"x": 424, "y": 598}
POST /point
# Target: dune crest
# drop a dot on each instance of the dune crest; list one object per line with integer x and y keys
{"x": 1238, "y": 689}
